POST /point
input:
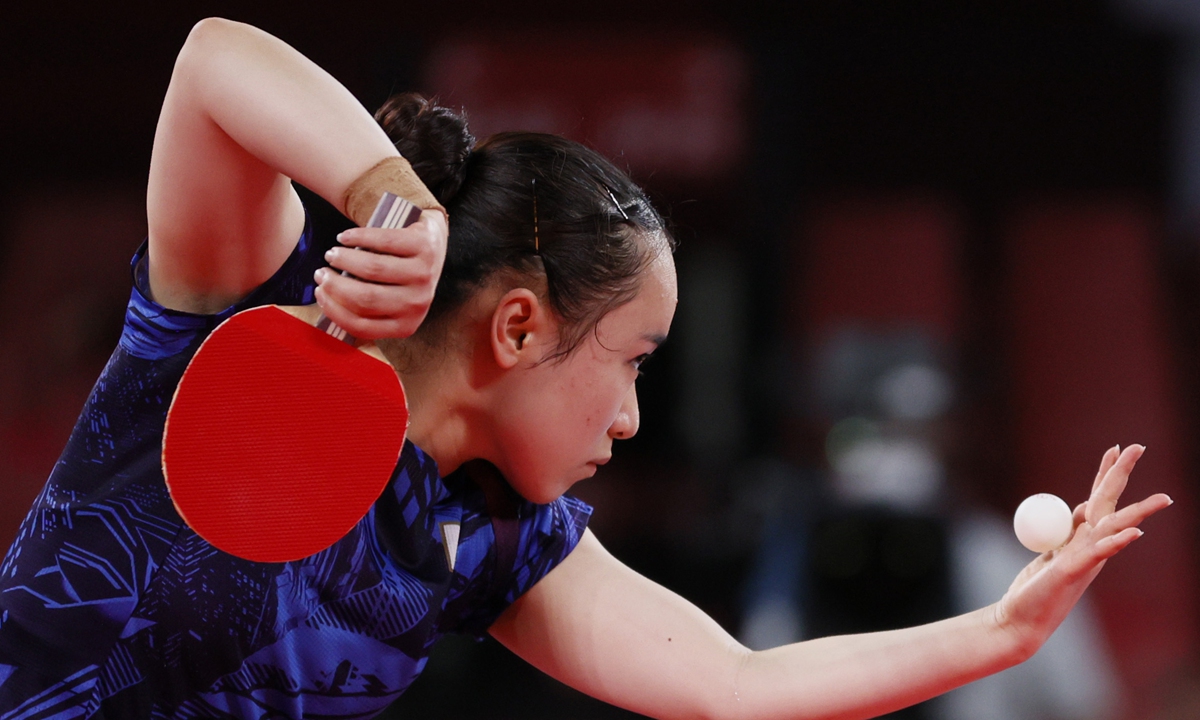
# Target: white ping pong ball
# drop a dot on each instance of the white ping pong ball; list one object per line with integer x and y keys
{"x": 1043, "y": 522}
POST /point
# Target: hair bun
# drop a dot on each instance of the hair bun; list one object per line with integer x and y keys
{"x": 434, "y": 139}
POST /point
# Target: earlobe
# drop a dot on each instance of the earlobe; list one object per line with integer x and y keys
{"x": 517, "y": 318}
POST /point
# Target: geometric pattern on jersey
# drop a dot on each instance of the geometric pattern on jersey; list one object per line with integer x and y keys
{"x": 110, "y": 606}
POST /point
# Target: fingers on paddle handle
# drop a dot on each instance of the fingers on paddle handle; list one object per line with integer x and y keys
{"x": 334, "y": 316}
{"x": 393, "y": 298}
{"x": 368, "y": 328}
{"x": 378, "y": 268}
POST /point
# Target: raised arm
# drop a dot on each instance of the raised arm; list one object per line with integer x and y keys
{"x": 244, "y": 114}
{"x": 603, "y": 629}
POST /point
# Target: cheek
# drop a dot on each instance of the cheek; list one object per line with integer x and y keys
{"x": 594, "y": 401}
{"x": 566, "y": 402}
{"x": 571, "y": 404}
{"x": 551, "y": 414}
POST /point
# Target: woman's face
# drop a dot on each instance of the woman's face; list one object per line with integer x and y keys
{"x": 560, "y": 418}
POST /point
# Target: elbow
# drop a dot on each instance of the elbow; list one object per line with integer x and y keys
{"x": 208, "y": 52}
{"x": 206, "y": 39}
{"x": 209, "y": 30}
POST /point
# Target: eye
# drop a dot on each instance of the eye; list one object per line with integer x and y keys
{"x": 639, "y": 360}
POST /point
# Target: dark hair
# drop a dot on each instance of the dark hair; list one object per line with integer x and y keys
{"x": 595, "y": 228}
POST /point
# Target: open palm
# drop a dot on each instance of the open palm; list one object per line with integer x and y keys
{"x": 1046, "y": 590}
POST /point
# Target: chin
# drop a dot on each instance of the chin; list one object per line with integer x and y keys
{"x": 542, "y": 493}
{"x": 535, "y": 492}
{"x": 541, "y": 497}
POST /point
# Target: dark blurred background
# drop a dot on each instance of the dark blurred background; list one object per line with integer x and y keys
{"x": 934, "y": 257}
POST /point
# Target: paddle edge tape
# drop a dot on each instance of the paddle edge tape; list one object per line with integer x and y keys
{"x": 265, "y": 551}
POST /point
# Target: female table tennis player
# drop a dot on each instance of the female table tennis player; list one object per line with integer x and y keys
{"x": 558, "y": 283}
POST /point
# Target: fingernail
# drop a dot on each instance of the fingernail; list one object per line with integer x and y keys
{"x": 1170, "y": 501}
{"x": 320, "y": 275}
{"x": 1139, "y": 533}
{"x": 339, "y": 238}
{"x": 331, "y": 253}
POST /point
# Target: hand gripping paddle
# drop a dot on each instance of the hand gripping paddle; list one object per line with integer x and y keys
{"x": 284, "y": 429}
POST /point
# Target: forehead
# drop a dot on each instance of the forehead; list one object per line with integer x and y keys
{"x": 650, "y": 312}
{"x": 659, "y": 281}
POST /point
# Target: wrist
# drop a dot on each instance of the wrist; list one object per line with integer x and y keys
{"x": 1017, "y": 641}
{"x": 392, "y": 174}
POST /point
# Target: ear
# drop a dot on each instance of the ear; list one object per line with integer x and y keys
{"x": 519, "y": 324}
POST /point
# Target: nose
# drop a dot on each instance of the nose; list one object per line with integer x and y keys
{"x": 625, "y": 425}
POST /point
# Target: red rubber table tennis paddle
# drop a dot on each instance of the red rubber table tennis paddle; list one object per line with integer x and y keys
{"x": 284, "y": 429}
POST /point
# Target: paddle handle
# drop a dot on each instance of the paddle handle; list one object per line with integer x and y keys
{"x": 392, "y": 211}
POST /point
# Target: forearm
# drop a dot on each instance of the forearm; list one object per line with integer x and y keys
{"x": 279, "y": 106}
{"x": 244, "y": 113}
{"x": 863, "y": 676}
{"x": 601, "y": 628}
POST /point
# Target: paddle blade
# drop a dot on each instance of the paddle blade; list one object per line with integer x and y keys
{"x": 280, "y": 437}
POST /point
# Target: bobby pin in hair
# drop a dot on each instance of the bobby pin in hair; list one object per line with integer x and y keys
{"x": 536, "y": 244}
{"x": 617, "y": 204}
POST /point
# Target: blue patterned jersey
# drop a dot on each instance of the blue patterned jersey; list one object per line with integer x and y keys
{"x": 111, "y": 606}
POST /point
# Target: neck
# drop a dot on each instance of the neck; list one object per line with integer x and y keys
{"x": 447, "y": 410}
{"x": 450, "y": 379}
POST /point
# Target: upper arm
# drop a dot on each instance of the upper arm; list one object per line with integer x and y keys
{"x": 221, "y": 220}
{"x": 601, "y": 628}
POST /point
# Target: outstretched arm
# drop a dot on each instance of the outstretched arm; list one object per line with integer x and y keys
{"x": 244, "y": 114}
{"x": 603, "y": 629}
